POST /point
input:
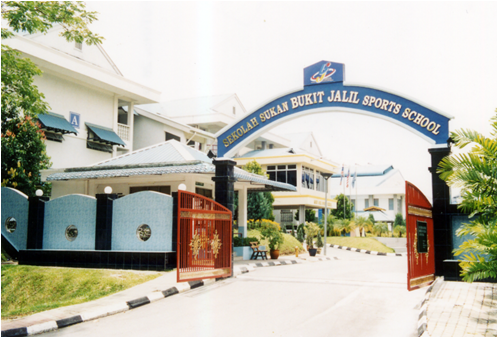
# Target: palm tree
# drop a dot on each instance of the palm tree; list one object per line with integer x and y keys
{"x": 380, "y": 228}
{"x": 475, "y": 173}
{"x": 342, "y": 226}
{"x": 364, "y": 224}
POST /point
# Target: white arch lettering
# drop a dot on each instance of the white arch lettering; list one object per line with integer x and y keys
{"x": 334, "y": 97}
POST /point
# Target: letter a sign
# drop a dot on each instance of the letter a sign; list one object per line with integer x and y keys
{"x": 74, "y": 119}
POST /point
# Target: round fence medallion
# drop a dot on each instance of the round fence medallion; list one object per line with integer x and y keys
{"x": 143, "y": 232}
{"x": 11, "y": 224}
{"x": 71, "y": 233}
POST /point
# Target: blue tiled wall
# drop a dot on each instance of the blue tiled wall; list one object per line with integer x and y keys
{"x": 15, "y": 204}
{"x": 146, "y": 207}
{"x": 77, "y": 210}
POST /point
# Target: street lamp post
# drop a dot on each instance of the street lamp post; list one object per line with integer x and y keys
{"x": 326, "y": 176}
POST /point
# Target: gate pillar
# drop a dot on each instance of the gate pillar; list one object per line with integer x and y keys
{"x": 441, "y": 210}
{"x": 224, "y": 182}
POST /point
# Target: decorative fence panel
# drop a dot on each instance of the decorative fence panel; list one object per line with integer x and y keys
{"x": 204, "y": 245}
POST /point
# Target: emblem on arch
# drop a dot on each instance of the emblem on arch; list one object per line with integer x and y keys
{"x": 323, "y": 72}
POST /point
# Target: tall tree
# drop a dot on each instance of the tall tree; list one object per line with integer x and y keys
{"x": 343, "y": 210}
{"x": 259, "y": 204}
{"x": 23, "y": 148}
{"x": 475, "y": 173}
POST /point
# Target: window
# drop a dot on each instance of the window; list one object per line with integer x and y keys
{"x": 204, "y": 192}
{"x": 399, "y": 205}
{"x": 320, "y": 182}
{"x": 165, "y": 189}
{"x": 376, "y": 202}
{"x": 308, "y": 178}
{"x": 78, "y": 45}
{"x": 283, "y": 173}
{"x": 366, "y": 203}
{"x": 172, "y": 137}
{"x": 391, "y": 204}
{"x": 353, "y": 202}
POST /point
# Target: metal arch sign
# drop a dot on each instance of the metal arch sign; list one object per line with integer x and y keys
{"x": 324, "y": 90}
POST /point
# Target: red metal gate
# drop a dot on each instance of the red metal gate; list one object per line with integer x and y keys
{"x": 204, "y": 246}
{"x": 420, "y": 238}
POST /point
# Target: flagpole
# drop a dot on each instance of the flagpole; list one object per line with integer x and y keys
{"x": 355, "y": 175}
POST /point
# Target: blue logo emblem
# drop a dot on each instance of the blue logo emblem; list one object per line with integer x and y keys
{"x": 323, "y": 73}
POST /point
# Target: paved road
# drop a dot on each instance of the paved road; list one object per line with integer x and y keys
{"x": 398, "y": 244}
{"x": 353, "y": 295}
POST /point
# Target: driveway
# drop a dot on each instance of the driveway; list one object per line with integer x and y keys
{"x": 398, "y": 244}
{"x": 351, "y": 295}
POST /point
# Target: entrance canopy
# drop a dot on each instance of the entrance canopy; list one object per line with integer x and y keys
{"x": 167, "y": 158}
{"x": 324, "y": 91}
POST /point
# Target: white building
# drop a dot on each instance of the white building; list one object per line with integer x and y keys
{"x": 301, "y": 166}
{"x": 210, "y": 114}
{"x": 379, "y": 186}
{"x": 85, "y": 91}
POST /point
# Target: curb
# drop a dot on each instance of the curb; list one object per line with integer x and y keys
{"x": 103, "y": 312}
{"x": 422, "y": 317}
{"x": 132, "y": 304}
{"x": 367, "y": 251}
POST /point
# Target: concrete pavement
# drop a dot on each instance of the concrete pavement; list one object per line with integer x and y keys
{"x": 459, "y": 309}
{"x": 159, "y": 288}
{"x": 453, "y": 308}
{"x": 398, "y": 244}
{"x": 357, "y": 295}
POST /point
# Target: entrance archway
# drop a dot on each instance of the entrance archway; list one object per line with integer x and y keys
{"x": 328, "y": 93}
{"x": 324, "y": 91}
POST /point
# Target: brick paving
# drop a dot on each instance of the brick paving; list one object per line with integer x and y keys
{"x": 459, "y": 309}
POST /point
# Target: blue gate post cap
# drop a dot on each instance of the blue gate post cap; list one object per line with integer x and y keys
{"x": 323, "y": 72}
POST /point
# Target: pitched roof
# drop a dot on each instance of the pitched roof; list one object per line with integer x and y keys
{"x": 186, "y": 107}
{"x": 170, "y": 157}
{"x": 272, "y": 152}
{"x": 166, "y": 152}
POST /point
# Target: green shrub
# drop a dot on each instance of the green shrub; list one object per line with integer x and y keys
{"x": 300, "y": 233}
{"x": 319, "y": 242}
{"x": 239, "y": 241}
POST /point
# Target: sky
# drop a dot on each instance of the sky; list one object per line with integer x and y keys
{"x": 443, "y": 54}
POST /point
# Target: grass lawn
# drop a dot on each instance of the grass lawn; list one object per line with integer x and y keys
{"x": 360, "y": 243}
{"x": 287, "y": 248}
{"x": 30, "y": 289}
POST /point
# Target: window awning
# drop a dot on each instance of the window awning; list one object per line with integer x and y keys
{"x": 57, "y": 123}
{"x": 104, "y": 135}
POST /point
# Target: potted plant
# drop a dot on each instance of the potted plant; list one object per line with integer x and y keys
{"x": 311, "y": 231}
{"x": 271, "y": 231}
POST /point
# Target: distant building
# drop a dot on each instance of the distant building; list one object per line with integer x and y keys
{"x": 378, "y": 190}
{"x": 300, "y": 166}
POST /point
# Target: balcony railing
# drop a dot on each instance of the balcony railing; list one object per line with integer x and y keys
{"x": 124, "y": 132}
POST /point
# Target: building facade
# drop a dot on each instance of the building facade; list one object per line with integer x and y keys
{"x": 379, "y": 186}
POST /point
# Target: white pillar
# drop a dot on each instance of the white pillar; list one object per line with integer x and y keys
{"x": 302, "y": 214}
{"x": 131, "y": 117}
{"x": 115, "y": 122}
{"x": 242, "y": 211}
